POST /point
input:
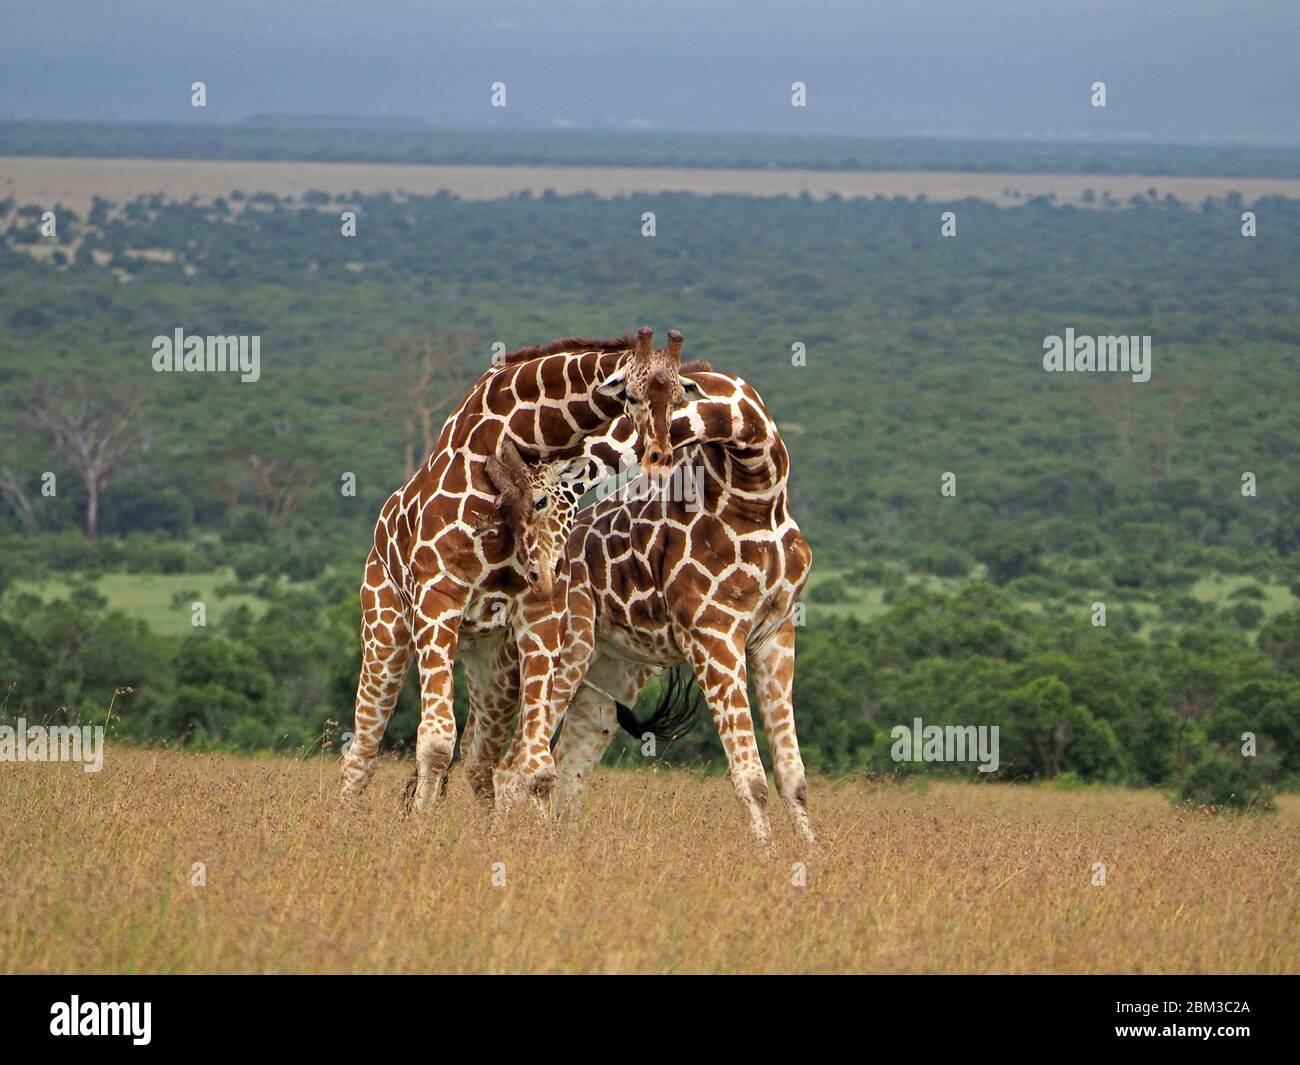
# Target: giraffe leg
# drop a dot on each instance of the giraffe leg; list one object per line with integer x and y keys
{"x": 529, "y": 767}
{"x": 773, "y": 666}
{"x": 492, "y": 676}
{"x": 590, "y": 724}
{"x": 385, "y": 655}
{"x": 438, "y": 625}
{"x": 531, "y": 748}
{"x": 719, "y": 666}
{"x": 574, "y": 660}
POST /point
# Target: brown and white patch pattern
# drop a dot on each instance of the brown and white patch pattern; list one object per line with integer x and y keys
{"x": 654, "y": 582}
{"x": 441, "y": 554}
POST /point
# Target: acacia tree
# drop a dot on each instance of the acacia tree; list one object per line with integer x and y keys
{"x": 1148, "y": 422}
{"x": 93, "y": 424}
{"x": 434, "y": 367}
{"x": 280, "y": 483}
{"x": 14, "y": 492}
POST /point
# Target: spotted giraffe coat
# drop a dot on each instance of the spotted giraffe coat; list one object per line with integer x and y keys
{"x": 442, "y": 562}
{"x": 654, "y": 582}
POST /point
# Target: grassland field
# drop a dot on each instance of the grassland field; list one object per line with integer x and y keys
{"x": 169, "y": 862}
{"x": 163, "y": 600}
{"x": 182, "y": 862}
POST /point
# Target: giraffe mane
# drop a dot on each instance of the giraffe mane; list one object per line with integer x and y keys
{"x": 696, "y": 366}
{"x": 555, "y": 347}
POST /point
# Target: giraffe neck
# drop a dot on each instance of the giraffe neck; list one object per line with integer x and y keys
{"x": 549, "y": 404}
{"x": 730, "y": 438}
{"x": 737, "y": 446}
{"x": 750, "y": 485}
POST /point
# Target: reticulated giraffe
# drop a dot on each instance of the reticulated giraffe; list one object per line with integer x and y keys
{"x": 657, "y": 581}
{"x": 441, "y": 553}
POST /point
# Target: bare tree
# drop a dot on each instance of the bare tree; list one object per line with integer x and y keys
{"x": 280, "y": 485}
{"x": 13, "y": 482}
{"x": 94, "y": 425}
{"x": 1184, "y": 392}
{"x": 1148, "y": 422}
{"x": 434, "y": 367}
{"x": 14, "y": 493}
{"x": 1117, "y": 403}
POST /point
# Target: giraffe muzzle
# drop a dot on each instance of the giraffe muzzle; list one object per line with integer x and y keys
{"x": 541, "y": 581}
{"x": 656, "y": 462}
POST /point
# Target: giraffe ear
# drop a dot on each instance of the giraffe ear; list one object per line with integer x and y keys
{"x": 509, "y": 495}
{"x": 498, "y": 475}
{"x": 691, "y": 390}
{"x": 614, "y": 384}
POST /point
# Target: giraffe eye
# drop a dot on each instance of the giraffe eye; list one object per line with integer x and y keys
{"x": 539, "y": 503}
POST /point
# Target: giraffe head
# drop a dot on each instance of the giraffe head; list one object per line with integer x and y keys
{"x": 651, "y": 388}
{"x": 539, "y": 501}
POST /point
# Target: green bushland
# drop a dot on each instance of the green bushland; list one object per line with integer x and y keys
{"x": 924, "y": 357}
{"x": 350, "y": 140}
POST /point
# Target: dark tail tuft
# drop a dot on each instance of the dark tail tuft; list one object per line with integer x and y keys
{"x": 627, "y": 720}
{"x": 675, "y": 713}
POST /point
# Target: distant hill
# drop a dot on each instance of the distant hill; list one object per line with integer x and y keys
{"x": 335, "y": 121}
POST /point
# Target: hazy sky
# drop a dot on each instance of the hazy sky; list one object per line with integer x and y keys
{"x": 1175, "y": 70}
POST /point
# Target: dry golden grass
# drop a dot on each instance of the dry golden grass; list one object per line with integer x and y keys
{"x": 657, "y": 875}
{"x": 75, "y": 182}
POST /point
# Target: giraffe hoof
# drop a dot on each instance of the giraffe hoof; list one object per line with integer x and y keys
{"x": 541, "y": 784}
{"x": 480, "y": 785}
{"x": 508, "y": 791}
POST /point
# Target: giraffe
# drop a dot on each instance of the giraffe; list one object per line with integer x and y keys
{"x": 539, "y": 504}
{"x": 440, "y": 552}
{"x": 656, "y": 582}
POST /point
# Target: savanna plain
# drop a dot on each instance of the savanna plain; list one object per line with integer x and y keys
{"x": 170, "y": 862}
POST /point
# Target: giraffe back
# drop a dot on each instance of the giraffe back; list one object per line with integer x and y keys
{"x": 731, "y": 559}
{"x": 443, "y": 524}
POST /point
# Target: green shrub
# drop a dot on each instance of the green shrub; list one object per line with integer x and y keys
{"x": 943, "y": 561}
{"x": 246, "y": 525}
{"x": 1234, "y": 782}
{"x": 1010, "y": 553}
{"x": 832, "y": 590}
{"x": 867, "y": 573}
{"x": 133, "y": 506}
{"x": 1247, "y": 615}
{"x": 1280, "y": 640}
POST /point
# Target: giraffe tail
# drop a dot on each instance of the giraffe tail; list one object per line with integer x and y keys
{"x": 675, "y": 713}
